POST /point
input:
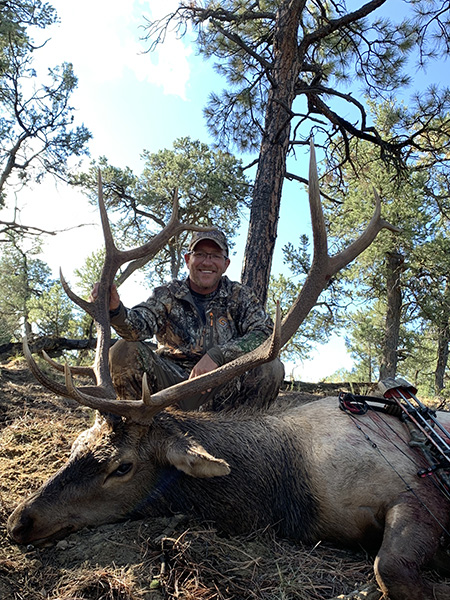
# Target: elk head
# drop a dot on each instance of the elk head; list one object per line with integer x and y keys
{"x": 136, "y": 450}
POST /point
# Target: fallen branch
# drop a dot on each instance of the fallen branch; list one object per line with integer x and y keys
{"x": 53, "y": 346}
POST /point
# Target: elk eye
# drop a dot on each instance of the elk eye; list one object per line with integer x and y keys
{"x": 122, "y": 469}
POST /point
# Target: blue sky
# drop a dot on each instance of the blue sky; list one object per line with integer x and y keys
{"x": 133, "y": 101}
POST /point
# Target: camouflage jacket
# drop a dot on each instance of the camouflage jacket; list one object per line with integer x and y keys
{"x": 235, "y": 323}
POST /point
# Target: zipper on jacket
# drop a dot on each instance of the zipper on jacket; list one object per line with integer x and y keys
{"x": 211, "y": 328}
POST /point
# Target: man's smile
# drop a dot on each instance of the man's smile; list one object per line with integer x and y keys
{"x": 206, "y": 266}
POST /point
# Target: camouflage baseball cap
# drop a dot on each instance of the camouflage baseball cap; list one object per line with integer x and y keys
{"x": 215, "y": 235}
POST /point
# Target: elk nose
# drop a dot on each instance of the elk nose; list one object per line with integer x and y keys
{"x": 20, "y": 529}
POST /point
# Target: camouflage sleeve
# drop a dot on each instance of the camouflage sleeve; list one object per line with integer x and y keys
{"x": 144, "y": 320}
{"x": 253, "y": 324}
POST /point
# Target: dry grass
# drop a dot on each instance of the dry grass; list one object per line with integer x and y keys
{"x": 142, "y": 560}
{"x": 257, "y": 567}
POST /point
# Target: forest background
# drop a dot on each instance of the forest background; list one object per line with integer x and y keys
{"x": 146, "y": 110}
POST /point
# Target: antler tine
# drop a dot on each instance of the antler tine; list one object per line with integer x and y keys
{"x": 175, "y": 205}
{"x": 88, "y": 371}
{"x": 150, "y": 248}
{"x": 130, "y": 409}
{"x": 106, "y": 227}
{"x": 99, "y": 311}
{"x": 140, "y": 262}
{"x": 53, "y": 386}
{"x": 50, "y": 384}
{"x": 375, "y": 225}
{"x": 323, "y": 266}
{"x": 84, "y": 304}
{"x": 173, "y": 228}
{"x": 112, "y": 259}
{"x": 315, "y": 207}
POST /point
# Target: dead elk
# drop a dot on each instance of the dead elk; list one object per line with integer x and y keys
{"x": 313, "y": 472}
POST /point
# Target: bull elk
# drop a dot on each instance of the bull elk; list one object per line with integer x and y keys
{"x": 315, "y": 473}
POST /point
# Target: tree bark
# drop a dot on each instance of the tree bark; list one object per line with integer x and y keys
{"x": 388, "y": 365}
{"x": 443, "y": 343}
{"x": 265, "y": 208}
{"x": 442, "y": 360}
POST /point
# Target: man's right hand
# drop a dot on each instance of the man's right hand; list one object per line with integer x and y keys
{"x": 114, "y": 300}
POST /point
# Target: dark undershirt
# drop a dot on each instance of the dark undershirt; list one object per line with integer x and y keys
{"x": 200, "y": 301}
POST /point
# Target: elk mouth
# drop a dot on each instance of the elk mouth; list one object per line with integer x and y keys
{"x": 52, "y": 539}
{"x": 22, "y": 533}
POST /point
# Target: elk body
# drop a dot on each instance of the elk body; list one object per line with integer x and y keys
{"x": 312, "y": 472}
{"x": 308, "y": 471}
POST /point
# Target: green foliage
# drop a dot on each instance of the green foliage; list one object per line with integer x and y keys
{"x": 417, "y": 203}
{"x": 16, "y": 17}
{"x": 418, "y": 351}
{"x": 32, "y": 301}
{"x": 347, "y": 54}
{"x": 315, "y": 329}
{"x": 212, "y": 190}
{"x": 22, "y": 278}
{"x": 364, "y": 341}
{"x": 90, "y": 272}
{"x": 37, "y": 135}
{"x": 238, "y": 113}
{"x": 52, "y": 313}
{"x": 298, "y": 259}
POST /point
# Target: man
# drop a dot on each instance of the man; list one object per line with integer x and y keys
{"x": 200, "y": 323}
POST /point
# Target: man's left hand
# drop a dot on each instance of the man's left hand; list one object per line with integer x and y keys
{"x": 204, "y": 365}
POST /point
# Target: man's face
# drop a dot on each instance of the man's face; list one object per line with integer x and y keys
{"x": 207, "y": 263}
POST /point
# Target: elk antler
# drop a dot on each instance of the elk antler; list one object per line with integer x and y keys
{"x": 99, "y": 308}
{"x": 322, "y": 269}
{"x": 323, "y": 266}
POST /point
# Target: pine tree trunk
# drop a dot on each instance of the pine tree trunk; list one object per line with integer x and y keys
{"x": 442, "y": 360}
{"x": 265, "y": 209}
{"x": 443, "y": 343}
{"x": 388, "y": 366}
{"x": 370, "y": 369}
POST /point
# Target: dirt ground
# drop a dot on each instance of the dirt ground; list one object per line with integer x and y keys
{"x": 154, "y": 559}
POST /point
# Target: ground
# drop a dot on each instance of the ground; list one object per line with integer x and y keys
{"x": 154, "y": 559}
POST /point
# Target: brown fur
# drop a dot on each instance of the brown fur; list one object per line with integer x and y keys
{"x": 312, "y": 472}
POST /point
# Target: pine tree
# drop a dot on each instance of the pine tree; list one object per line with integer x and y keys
{"x": 295, "y": 69}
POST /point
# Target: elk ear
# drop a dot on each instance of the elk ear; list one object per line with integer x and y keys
{"x": 194, "y": 460}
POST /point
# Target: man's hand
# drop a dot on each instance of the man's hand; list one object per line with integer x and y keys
{"x": 114, "y": 299}
{"x": 204, "y": 365}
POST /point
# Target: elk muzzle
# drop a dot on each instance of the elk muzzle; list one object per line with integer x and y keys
{"x": 26, "y": 527}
